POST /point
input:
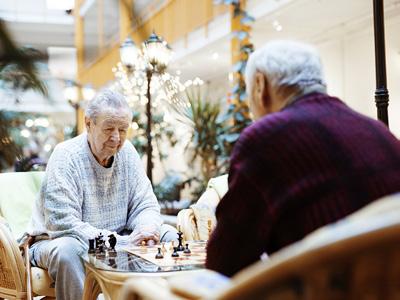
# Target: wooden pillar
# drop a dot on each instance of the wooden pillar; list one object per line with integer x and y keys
{"x": 79, "y": 45}
{"x": 381, "y": 92}
{"x": 236, "y": 26}
{"x": 125, "y": 19}
{"x": 239, "y": 60}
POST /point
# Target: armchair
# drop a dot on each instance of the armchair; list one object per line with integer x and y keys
{"x": 17, "y": 279}
{"x": 355, "y": 258}
{"x": 196, "y": 221}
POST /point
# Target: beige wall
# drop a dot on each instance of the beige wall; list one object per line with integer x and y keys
{"x": 350, "y": 70}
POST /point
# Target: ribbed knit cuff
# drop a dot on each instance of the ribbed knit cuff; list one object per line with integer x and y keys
{"x": 122, "y": 241}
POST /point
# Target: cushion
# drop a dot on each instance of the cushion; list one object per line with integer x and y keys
{"x": 18, "y": 193}
{"x": 42, "y": 284}
{"x": 219, "y": 184}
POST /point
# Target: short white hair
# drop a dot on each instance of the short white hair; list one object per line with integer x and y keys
{"x": 104, "y": 101}
{"x": 286, "y": 64}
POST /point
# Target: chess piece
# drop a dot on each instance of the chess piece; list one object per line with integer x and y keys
{"x": 159, "y": 254}
{"x": 172, "y": 246}
{"x": 101, "y": 252}
{"x": 175, "y": 253}
{"x": 163, "y": 249}
{"x": 100, "y": 247}
{"x": 99, "y": 243}
{"x": 112, "y": 240}
{"x": 91, "y": 246}
{"x": 143, "y": 248}
{"x": 180, "y": 239}
{"x": 187, "y": 250}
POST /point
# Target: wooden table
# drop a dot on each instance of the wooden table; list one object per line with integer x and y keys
{"x": 107, "y": 274}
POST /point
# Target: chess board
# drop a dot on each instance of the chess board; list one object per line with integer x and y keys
{"x": 196, "y": 257}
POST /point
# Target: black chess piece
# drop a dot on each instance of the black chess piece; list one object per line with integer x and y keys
{"x": 159, "y": 254}
{"x": 99, "y": 243}
{"x": 187, "y": 250}
{"x": 175, "y": 253}
{"x": 91, "y": 246}
{"x": 101, "y": 251}
{"x": 112, "y": 240}
{"x": 180, "y": 239}
{"x": 100, "y": 247}
{"x": 96, "y": 243}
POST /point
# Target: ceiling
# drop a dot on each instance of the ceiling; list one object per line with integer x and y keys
{"x": 316, "y": 21}
{"x": 33, "y": 23}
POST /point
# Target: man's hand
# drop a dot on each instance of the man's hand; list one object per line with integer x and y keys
{"x": 149, "y": 235}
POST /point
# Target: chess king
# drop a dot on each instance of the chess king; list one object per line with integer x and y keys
{"x": 94, "y": 183}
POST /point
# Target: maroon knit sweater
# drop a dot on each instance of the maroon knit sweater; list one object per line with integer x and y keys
{"x": 296, "y": 170}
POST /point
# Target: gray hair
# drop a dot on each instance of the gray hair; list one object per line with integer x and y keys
{"x": 104, "y": 101}
{"x": 287, "y": 64}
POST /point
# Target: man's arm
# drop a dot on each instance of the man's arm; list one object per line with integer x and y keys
{"x": 242, "y": 224}
{"x": 144, "y": 211}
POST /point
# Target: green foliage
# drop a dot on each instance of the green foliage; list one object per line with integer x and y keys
{"x": 17, "y": 71}
{"x": 237, "y": 114}
{"x": 205, "y": 142}
{"x": 169, "y": 188}
{"x": 160, "y": 131}
{"x": 17, "y": 65}
{"x": 9, "y": 149}
{"x": 205, "y": 146}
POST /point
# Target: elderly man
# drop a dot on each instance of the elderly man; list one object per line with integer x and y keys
{"x": 94, "y": 183}
{"x": 308, "y": 160}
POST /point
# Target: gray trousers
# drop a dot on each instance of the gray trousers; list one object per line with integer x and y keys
{"x": 61, "y": 257}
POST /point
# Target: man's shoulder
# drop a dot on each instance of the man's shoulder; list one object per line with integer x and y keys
{"x": 72, "y": 146}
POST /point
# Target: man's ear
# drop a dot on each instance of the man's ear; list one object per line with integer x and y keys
{"x": 262, "y": 90}
{"x": 87, "y": 123}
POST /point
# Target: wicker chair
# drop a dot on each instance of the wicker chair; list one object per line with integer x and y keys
{"x": 17, "y": 279}
{"x": 356, "y": 258}
{"x": 197, "y": 222}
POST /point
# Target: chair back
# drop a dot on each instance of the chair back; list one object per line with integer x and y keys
{"x": 356, "y": 258}
{"x": 18, "y": 194}
{"x": 12, "y": 269}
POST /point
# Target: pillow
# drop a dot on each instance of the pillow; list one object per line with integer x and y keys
{"x": 18, "y": 193}
{"x": 219, "y": 184}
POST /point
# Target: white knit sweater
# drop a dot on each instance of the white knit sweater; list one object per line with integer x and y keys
{"x": 81, "y": 198}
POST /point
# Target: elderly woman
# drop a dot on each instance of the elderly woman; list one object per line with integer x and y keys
{"x": 94, "y": 183}
{"x": 308, "y": 160}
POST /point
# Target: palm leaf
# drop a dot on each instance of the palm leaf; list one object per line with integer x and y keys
{"x": 17, "y": 65}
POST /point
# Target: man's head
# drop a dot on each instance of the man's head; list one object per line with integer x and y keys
{"x": 107, "y": 119}
{"x": 280, "y": 71}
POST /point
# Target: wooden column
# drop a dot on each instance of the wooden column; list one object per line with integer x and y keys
{"x": 381, "y": 92}
{"x": 125, "y": 19}
{"x": 79, "y": 45}
{"x": 236, "y": 26}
